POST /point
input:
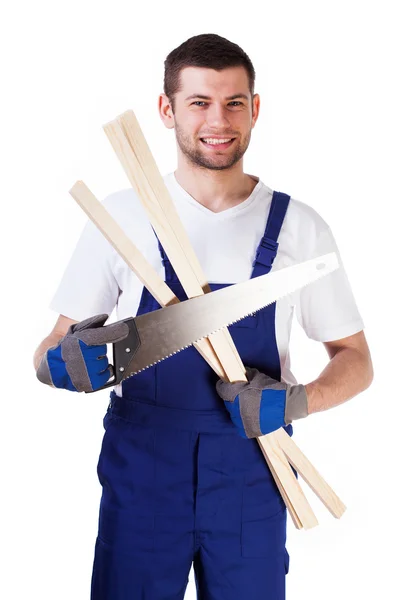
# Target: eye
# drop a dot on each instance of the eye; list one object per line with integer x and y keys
{"x": 235, "y": 103}
{"x": 199, "y": 103}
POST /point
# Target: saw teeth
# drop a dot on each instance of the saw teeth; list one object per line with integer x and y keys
{"x": 215, "y": 331}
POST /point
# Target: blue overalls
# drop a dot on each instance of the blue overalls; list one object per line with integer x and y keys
{"x": 180, "y": 486}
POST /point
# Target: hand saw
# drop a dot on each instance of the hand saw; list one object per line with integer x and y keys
{"x": 162, "y": 333}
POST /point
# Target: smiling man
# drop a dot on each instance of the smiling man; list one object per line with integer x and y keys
{"x": 212, "y": 129}
{"x": 237, "y": 131}
{"x": 184, "y": 482}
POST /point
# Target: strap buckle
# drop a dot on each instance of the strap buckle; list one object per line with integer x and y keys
{"x": 266, "y": 252}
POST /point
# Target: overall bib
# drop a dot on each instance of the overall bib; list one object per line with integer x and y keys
{"x": 180, "y": 486}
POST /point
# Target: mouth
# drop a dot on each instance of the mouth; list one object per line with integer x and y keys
{"x": 217, "y": 143}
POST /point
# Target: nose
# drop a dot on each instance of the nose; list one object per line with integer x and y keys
{"x": 217, "y": 116}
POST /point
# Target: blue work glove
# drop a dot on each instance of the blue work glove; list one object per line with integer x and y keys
{"x": 79, "y": 361}
{"x": 262, "y": 404}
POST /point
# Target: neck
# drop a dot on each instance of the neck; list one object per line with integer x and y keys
{"x": 216, "y": 190}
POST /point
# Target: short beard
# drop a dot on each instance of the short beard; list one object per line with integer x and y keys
{"x": 197, "y": 158}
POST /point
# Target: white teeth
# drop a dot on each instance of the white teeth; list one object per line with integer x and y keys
{"x": 215, "y": 141}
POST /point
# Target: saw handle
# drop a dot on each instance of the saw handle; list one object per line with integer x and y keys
{"x": 123, "y": 352}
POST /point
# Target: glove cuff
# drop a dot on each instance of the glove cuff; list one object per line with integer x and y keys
{"x": 296, "y": 403}
{"x": 43, "y": 372}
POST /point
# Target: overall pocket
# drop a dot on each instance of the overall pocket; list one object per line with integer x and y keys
{"x": 263, "y": 532}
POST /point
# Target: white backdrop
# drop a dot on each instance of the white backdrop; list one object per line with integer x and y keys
{"x": 328, "y": 133}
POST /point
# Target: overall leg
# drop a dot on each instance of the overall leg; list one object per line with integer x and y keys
{"x": 144, "y": 547}
{"x": 241, "y": 520}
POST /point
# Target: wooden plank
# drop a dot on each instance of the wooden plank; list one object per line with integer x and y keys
{"x": 163, "y": 224}
{"x": 136, "y": 261}
{"x": 277, "y": 461}
{"x": 145, "y": 192}
{"x": 311, "y": 476}
{"x": 122, "y": 244}
{"x": 161, "y": 208}
{"x": 179, "y": 257}
{"x": 144, "y": 271}
{"x": 160, "y": 219}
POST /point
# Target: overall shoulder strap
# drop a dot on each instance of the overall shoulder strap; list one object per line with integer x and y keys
{"x": 170, "y": 274}
{"x": 268, "y": 245}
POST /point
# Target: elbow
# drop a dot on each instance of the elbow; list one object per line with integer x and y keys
{"x": 368, "y": 372}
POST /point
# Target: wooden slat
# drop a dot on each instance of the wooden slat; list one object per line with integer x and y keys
{"x": 145, "y": 192}
{"x": 311, "y": 476}
{"x": 136, "y": 261}
{"x": 160, "y": 217}
{"x": 276, "y": 460}
{"x": 122, "y": 244}
{"x": 161, "y": 220}
{"x": 144, "y": 271}
{"x": 164, "y": 296}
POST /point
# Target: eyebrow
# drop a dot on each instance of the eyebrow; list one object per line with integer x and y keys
{"x": 202, "y": 97}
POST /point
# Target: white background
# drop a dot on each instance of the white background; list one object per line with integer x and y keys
{"x": 328, "y": 134}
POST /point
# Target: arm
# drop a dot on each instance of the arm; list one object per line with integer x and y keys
{"x": 262, "y": 404}
{"x": 348, "y": 373}
{"x": 326, "y": 310}
{"x": 59, "y": 331}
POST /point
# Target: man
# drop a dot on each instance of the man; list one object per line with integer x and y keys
{"x": 183, "y": 483}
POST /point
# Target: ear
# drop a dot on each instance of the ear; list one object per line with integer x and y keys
{"x": 165, "y": 110}
{"x": 256, "y": 109}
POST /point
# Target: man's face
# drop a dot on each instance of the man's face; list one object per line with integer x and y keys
{"x": 214, "y": 115}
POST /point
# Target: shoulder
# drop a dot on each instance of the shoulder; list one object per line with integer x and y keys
{"x": 302, "y": 231}
{"x": 124, "y": 205}
{"x": 299, "y": 214}
{"x": 126, "y": 208}
{"x": 303, "y": 216}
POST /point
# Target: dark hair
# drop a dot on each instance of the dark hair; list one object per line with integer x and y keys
{"x": 206, "y": 50}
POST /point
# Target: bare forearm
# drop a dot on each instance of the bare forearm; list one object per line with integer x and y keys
{"x": 61, "y": 327}
{"x": 347, "y": 374}
{"x": 49, "y": 342}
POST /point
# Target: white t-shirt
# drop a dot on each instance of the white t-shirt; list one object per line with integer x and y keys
{"x": 97, "y": 280}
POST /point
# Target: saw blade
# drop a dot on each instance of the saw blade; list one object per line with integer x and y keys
{"x": 170, "y": 330}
